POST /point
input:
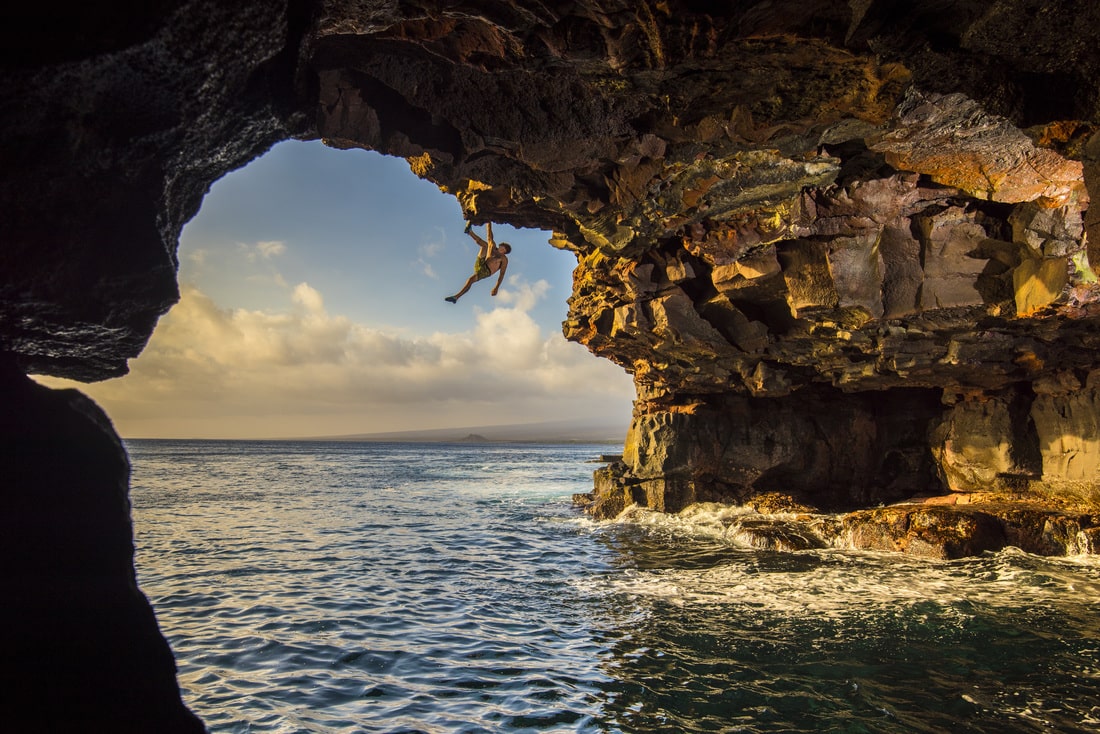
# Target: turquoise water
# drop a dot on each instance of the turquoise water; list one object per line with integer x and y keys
{"x": 338, "y": 588}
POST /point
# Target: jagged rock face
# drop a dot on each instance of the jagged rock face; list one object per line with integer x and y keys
{"x": 766, "y": 158}
{"x": 766, "y": 200}
{"x": 875, "y": 280}
{"x": 788, "y": 199}
{"x": 821, "y": 450}
{"x": 761, "y": 206}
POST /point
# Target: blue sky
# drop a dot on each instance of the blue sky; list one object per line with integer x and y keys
{"x": 382, "y": 245}
{"x": 312, "y": 285}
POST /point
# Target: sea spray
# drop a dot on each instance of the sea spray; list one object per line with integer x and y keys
{"x": 927, "y": 530}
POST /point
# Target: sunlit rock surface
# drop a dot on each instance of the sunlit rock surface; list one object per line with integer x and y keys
{"x": 823, "y": 207}
{"x": 845, "y": 249}
{"x": 844, "y": 253}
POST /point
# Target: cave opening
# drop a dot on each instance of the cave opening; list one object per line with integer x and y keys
{"x": 312, "y": 288}
{"x": 312, "y": 284}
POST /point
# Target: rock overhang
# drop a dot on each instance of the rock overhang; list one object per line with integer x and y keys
{"x": 616, "y": 124}
{"x": 763, "y": 199}
{"x": 706, "y": 166}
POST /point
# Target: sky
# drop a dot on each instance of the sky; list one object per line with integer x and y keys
{"x": 312, "y": 283}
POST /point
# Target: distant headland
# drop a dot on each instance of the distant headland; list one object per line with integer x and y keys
{"x": 542, "y": 432}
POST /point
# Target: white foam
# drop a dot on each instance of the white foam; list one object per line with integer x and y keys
{"x": 835, "y": 582}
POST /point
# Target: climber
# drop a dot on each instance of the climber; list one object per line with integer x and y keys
{"x": 491, "y": 258}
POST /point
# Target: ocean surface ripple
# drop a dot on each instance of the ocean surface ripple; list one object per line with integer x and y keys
{"x": 344, "y": 587}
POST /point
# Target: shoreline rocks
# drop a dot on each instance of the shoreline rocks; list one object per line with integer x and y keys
{"x": 936, "y": 528}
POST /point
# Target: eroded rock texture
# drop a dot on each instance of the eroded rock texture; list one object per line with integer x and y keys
{"x": 844, "y": 248}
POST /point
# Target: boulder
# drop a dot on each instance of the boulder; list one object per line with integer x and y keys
{"x": 82, "y": 651}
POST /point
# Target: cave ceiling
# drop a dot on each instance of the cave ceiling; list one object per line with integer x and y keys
{"x": 760, "y": 195}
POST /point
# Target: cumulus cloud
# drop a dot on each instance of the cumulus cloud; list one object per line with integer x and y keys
{"x": 302, "y": 371}
{"x": 523, "y": 296}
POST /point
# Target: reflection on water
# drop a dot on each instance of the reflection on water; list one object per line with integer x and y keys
{"x": 399, "y": 588}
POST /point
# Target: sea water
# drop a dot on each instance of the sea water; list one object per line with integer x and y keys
{"x": 372, "y": 587}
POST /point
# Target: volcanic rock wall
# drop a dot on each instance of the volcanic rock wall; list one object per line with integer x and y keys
{"x": 946, "y": 252}
{"x": 844, "y": 248}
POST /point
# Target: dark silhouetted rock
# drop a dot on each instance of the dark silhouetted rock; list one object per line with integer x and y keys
{"x": 81, "y": 648}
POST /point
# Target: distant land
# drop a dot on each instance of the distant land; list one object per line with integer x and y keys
{"x": 545, "y": 432}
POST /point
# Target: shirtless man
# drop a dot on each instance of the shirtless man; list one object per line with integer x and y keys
{"x": 491, "y": 258}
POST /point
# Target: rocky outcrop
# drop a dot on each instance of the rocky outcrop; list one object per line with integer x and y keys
{"x": 82, "y": 651}
{"x": 844, "y": 248}
{"x": 947, "y": 256}
{"x": 818, "y": 449}
{"x": 941, "y": 528}
{"x": 782, "y": 259}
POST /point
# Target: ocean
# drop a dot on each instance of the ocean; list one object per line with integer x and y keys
{"x": 385, "y": 587}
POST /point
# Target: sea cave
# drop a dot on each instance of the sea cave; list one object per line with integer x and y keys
{"x": 844, "y": 249}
